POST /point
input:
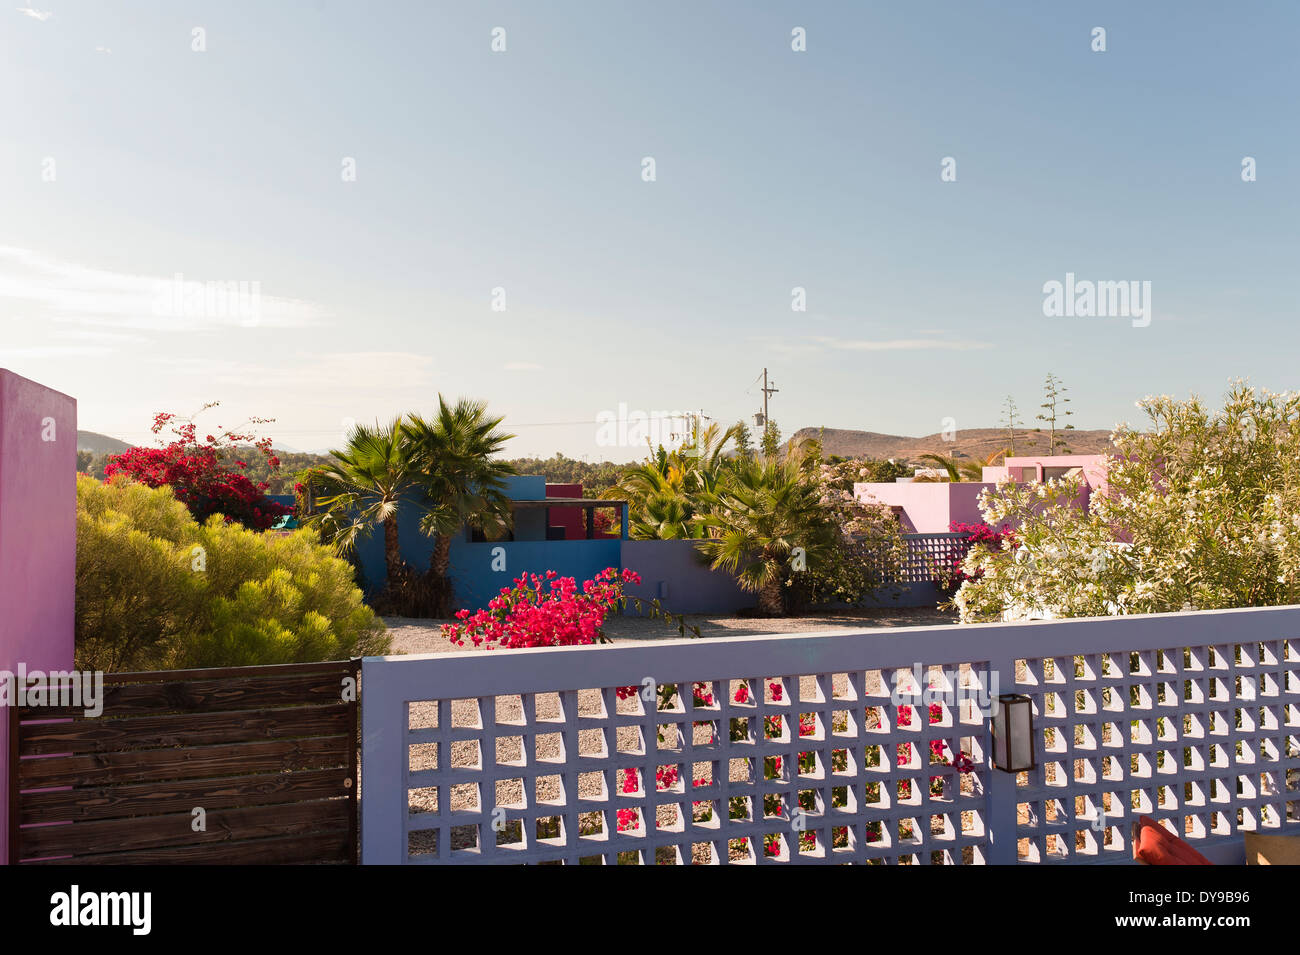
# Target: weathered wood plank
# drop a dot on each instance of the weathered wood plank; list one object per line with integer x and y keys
{"x": 269, "y": 753}
{"x": 205, "y": 695}
{"x": 176, "y": 829}
{"x": 327, "y": 847}
{"x": 213, "y": 673}
{"x": 227, "y": 759}
{"x": 142, "y": 799}
{"x": 182, "y": 729}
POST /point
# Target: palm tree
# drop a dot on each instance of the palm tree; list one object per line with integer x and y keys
{"x": 664, "y": 491}
{"x": 761, "y": 511}
{"x": 974, "y": 471}
{"x": 940, "y": 462}
{"x": 957, "y": 470}
{"x": 659, "y": 507}
{"x": 361, "y": 488}
{"x": 708, "y": 450}
{"x": 463, "y": 479}
{"x": 666, "y": 516}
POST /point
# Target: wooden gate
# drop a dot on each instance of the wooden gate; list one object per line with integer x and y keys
{"x": 243, "y": 765}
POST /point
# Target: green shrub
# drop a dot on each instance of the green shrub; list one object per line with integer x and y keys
{"x": 156, "y": 590}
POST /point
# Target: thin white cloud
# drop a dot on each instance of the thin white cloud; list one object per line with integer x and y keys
{"x": 103, "y": 49}
{"x": 87, "y": 296}
{"x": 521, "y": 366}
{"x": 820, "y": 343}
{"x": 302, "y": 373}
{"x": 32, "y": 12}
{"x": 94, "y": 335}
{"x": 899, "y": 344}
{"x": 784, "y": 346}
{"x": 9, "y": 355}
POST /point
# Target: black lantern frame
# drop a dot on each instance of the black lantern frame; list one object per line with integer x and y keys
{"x": 1013, "y": 733}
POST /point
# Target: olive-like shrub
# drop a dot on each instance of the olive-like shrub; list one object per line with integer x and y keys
{"x": 158, "y": 590}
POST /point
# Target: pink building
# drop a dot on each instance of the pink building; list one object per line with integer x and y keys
{"x": 1091, "y": 468}
{"x": 38, "y": 537}
{"x": 928, "y": 507}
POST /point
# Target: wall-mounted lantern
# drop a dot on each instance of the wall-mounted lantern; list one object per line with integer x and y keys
{"x": 1013, "y": 733}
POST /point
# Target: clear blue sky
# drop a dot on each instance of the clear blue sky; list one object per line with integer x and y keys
{"x": 522, "y": 170}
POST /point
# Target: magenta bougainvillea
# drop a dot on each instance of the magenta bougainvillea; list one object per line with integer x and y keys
{"x": 952, "y": 576}
{"x": 543, "y": 611}
{"x": 198, "y": 473}
{"x": 980, "y": 533}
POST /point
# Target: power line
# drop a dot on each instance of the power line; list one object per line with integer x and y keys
{"x": 666, "y": 415}
{"x": 523, "y": 424}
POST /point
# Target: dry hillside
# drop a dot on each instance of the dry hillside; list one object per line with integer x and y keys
{"x": 973, "y": 443}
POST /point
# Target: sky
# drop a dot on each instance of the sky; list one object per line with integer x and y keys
{"x": 413, "y": 212}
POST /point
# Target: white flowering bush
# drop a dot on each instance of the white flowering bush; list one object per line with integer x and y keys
{"x": 866, "y": 550}
{"x": 1202, "y": 511}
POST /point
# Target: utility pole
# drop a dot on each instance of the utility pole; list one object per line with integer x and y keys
{"x": 766, "y": 391}
{"x": 699, "y": 424}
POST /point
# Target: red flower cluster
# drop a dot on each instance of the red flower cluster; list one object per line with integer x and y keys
{"x": 197, "y": 476}
{"x": 665, "y": 778}
{"x": 905, "y": 719}
{"x": 545, "y": 611}
{"x": 980, "y": 533}
{"x": 975, "y": 534}
{"x": 742, "y": 692}
{"x": 962, "y": 762}
{"x": 627, "y": 817}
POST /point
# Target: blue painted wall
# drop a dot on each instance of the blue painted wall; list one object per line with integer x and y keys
{"x": 476, "y": 581}
{"x": 670, "y": 570}
{"x": 673, "y": 572}
{"x": 472, "y": 573}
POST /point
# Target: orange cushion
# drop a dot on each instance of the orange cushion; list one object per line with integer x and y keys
{"x": 1156, "y": 845}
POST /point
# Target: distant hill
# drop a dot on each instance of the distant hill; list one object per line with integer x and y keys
{"x": 972, "y": 443}
{"x": 99, "y": 443}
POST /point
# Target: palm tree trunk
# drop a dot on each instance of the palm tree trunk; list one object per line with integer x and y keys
{"x": 440, "y": 568}
{"x": 441, "y": 560}
{"x": 392, "y": 552}
{"x": 770, "y": 598}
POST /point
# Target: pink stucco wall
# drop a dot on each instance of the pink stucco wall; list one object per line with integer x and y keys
{"x": 927, "y": 507}
{"x": 1034, "y": 468}
{"x": 38, "y": 536}
{"x": 932, "y": 507}
{"x": 1031, "y": 467}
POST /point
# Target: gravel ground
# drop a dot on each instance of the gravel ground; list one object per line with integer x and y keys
{"x": 424, "y": 636}
{"x": 412, "y": 635}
